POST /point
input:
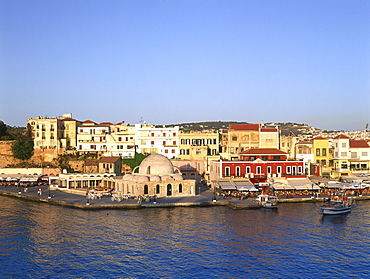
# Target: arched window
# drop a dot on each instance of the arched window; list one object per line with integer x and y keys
{"x": 169, "y": 190}
{"x": 157, "y": 189}
{"x": 146, "y": 190}
{"x": 180, "y": 188}
{"x": 148, "y": 170}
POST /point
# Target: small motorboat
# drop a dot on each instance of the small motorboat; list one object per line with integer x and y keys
{"x": 336, "y": 205}
{"x": 267, "y": 201}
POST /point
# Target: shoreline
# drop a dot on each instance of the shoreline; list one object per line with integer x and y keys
{"x": 205, "y": 199}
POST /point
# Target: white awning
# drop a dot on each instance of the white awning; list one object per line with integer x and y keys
{"x": 246, "y": 188}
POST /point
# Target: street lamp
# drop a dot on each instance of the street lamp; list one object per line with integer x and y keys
{"x": 214, "y": 194}
{"x": 154, "y": 197}
{"x": 49, "y": 197}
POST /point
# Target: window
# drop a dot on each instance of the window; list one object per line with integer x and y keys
{"x": 258, "y": 170}
{"x": 299, "y": 169}
{"x": 173, "y": 151}
{"x": 269, "y": 170}
{"x": 364, "y": 154}
{"x": 157, "y": 189}
{"x": 234, "y": 138}
{"x": 182, "y": 151}
{"x": 152, "y": 134}
{"x": 187, "y": 151}
{"x": 152, "y": 142}
{"x": 227, "y": 171}
{"x": 317, "y": 151}
{"x": 344, "y": 145}
{"x": 174, "y": 142}
{"x": 180, "y": 188}
{"x": 248, "y": 170}
{"x": 288, "y": 169}
{"x": 146, "y": 190}
{"x": 343, "y": 154}
{"x": 198, "y": 151}
{"x": 174, "y": 134}
{"x": 278, "y": 169}
{"x": 182, "y": 141}
{"x": 166, "y": 151}
{"x": 237, "y": 171}
{"x": 323, "y": 152}
{"x": 119, "y": 138}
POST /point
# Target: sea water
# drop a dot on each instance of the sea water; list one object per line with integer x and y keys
{"x": 296, "y": 241}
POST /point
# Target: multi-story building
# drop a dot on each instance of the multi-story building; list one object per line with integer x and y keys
{"x": 57, "y": 133}
{"x": 240, "y": 137}
{"x": 351, "y": 157}
{"x": 253, "y": 168}
{"x": 303, "y": 151}
{"x": 322, "y": 155}
{"x": 121, "y": 140}
{"x": 198, "y": 145}
{"x": 92, "y": 137}
{"x": 288, "y": 144}
{"x": 150, "y": 139}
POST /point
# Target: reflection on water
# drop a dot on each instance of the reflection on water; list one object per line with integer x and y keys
{"x": 293, "y": 241}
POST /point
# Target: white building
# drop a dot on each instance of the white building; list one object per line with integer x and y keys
{"x": 153, "y": 140}
{"x": 92, "y": 137}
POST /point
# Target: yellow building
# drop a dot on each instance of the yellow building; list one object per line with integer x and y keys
{"x": 198, "y": 145}
{"x": 54, "y": 133}
{"x": 322, "y": 155}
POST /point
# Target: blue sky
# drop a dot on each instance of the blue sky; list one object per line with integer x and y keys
{"x": 177, "y": 61}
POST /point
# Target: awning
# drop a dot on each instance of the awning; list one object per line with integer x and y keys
{"x": 249, "y": 188}
{"x": 227, "y": 187}
{"x": 284, "y": 187}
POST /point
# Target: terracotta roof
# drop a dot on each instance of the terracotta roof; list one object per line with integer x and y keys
{"x": 319, "y": 138}
{"x": 358, "y": 144}
{"x": 341, "y": 137}
{"x": 263, "y": 151}
{"x": 112, "y": 159}
{"x": 90, "y": 163}
{"x": 269, "y": 130}
{"x": 253, "y": 127}
{"x": 88, "y": 122}
{"x": 105, "y": 123}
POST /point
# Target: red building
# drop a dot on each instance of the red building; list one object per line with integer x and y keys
{"x": 258, "y": 165}
{"x": 265, "y": 154}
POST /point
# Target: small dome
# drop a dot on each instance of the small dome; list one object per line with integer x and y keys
{"x": 155, "y": 178}
{"x": 178, "y": 177}
{"x": 127, "y": 177}
{"x": 142, "y": 178}
{"x": 156, "y": 164}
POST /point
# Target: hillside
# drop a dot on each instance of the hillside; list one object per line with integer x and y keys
{"x": 286, "y": 128}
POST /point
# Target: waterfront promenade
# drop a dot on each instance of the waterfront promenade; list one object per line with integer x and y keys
{"x": 72, "y": 198}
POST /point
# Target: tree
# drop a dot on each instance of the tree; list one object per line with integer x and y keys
{"x": 22, "y": 147}
{"x": 3, "y": 130}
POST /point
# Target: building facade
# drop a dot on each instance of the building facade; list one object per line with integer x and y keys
{"x": 240, "y": 137}
{"x": 150, "y": 139}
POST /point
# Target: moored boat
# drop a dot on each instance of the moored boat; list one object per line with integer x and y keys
{"x": 267, "y": 201}
{"x": 336, "y": 205}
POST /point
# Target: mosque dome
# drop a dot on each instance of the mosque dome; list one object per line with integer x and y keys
{"x": 156, "y": 164}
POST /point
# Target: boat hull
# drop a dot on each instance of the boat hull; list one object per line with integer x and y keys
{"x": 333, "y": 210}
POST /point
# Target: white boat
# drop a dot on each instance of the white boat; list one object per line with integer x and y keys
{"x": 337, "y": 205}
{"x": 267, "y": 201}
